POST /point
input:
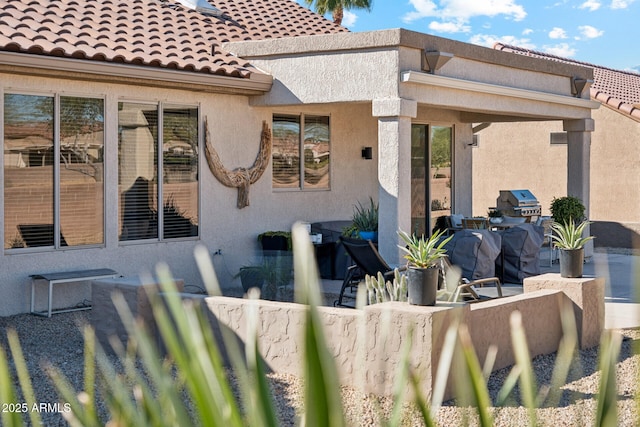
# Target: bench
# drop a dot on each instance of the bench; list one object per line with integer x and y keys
{"x": 65, "y": 277}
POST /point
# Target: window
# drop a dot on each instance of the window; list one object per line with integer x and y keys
{"x": 53, "y": 171}
{"x": 293, "y": 135}
{"x": 149, "y": 171}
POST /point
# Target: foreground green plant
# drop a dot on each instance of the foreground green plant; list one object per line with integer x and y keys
{"x": 185, "y": 381}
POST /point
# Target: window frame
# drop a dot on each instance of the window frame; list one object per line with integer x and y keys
{"x": 160, "y": 107}
{"x": 301, "y": 173}
{"x": 57, "y": 140}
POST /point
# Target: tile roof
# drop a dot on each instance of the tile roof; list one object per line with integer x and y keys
{"x": 614, "y": 88}
{"x": 152, "y": 33}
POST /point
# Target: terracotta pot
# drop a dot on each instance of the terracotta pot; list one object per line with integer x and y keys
{"x": 422, "y": 285}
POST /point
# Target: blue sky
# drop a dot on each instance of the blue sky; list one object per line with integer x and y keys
{"x": 594, "y": 31}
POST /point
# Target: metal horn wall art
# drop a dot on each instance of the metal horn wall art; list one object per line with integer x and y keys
{"x": 240, "y": 178}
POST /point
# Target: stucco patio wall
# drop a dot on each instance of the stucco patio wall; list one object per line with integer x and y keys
{"x": 368, "y": 360}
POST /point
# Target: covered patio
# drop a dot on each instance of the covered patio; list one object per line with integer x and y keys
{"x": 410, "y": 83}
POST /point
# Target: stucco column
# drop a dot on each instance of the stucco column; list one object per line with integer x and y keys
{"x": 579, "y": 164}
{"x": 394, "y": 172}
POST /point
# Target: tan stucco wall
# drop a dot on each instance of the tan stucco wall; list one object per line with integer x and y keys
{"x": 235, "y": 130}
{"x": 519, "y": 155}
{"x": 367, "y": 344}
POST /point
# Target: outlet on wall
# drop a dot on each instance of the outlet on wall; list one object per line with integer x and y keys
{"x": 218, "y": 252}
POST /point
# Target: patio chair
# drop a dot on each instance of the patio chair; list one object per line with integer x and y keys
{"x": 475, "y": 223}
{"x": 367, "y": 260}
{"x": 545, "y": 222}
{"x": 465, "y": 289}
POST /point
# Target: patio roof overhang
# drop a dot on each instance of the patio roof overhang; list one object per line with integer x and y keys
{"x": 476, "y": 81}
{"x": 576, "y": 105}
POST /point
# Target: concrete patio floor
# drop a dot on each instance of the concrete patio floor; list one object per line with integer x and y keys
{"x": 622, "y": 278}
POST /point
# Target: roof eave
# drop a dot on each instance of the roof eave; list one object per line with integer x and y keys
{"x": 257, "y": 83}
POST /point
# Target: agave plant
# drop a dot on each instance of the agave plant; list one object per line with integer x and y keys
{"x": 569, "y": 235}
{"x": 421, "y": 252}
{"x": 366, "y": 218}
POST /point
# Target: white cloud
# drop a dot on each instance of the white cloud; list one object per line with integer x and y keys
{"x": 562, "y": 49}
{"x": 589, "y": 32}
{"x": 527, "y": 31}
{"x": 449, "y": 27}
{"x": 557, "y": 33}
{"x": 349, "y": 19}
{"x": 592, "y": 5}
{"x": 621, "y": 4}
{"x": 489, "y": 40}
{"x": 464, "y": 10}
{"x": 424, "y": 8}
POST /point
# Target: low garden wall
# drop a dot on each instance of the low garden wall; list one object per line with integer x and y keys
{"x": 367, "y": 344}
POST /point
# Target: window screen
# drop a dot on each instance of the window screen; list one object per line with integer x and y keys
{"x": 147, "y": 171}
{"x": 286, "y": 151}
{"x": 293, "y": 135}
{"x": 53, "y": 171}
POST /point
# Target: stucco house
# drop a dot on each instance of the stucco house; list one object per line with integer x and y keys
{"x": 113, "y": 111}
{"x": 535, "y": 155}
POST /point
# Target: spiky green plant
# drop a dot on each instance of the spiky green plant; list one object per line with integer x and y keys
{"x": 423, "y": 252}
{"x": 381, "y": 290}
{"x": 366, "y": 218}
{"x": 569, "y": 235}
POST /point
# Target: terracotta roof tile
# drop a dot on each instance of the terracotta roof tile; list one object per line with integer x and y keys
{"x": 615, "y": 88}
{"x": 155, "y": 33}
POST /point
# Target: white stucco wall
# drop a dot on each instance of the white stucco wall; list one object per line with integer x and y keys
{"x": 235, "y": 129}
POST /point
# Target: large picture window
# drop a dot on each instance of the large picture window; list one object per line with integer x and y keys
{"x": 53, "y": 171}
{"x": 301, "y": 152}
{"x": 150, "y": 170}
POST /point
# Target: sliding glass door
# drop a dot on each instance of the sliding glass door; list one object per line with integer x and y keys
{"x": 431, "y": 175}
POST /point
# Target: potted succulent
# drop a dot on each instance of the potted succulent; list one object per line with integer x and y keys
{"x": 365, "y": 219}
{"x": 568, "y": 237}
{"x": 422, "y": 255}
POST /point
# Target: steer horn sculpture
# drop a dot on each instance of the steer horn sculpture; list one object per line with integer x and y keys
{"x": 240, "y": 178}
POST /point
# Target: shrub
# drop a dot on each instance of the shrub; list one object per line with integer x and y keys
{"x": 564, "y": 209}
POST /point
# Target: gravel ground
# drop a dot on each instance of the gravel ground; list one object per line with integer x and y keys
{"x": 58, "y": 341}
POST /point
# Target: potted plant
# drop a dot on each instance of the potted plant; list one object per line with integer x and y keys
{"x": 422, "y": 257}
{"x": 251, "y": 276}
{"x": 365, "y": 219}
{"x": 275, "y": 240}
{"x": 495, "y": 216}
{"x": 568, "y": 237}
{"x": 567, "y": 207}
{"x": 273, "y": 273}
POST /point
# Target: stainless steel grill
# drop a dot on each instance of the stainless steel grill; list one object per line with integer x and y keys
{"x": 519, "y": 203}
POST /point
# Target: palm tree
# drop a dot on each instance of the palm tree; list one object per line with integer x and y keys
{"x": 337, "y": 7}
